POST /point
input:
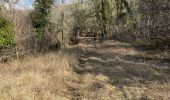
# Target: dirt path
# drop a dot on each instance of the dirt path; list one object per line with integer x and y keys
{"x": 108, "y": 70}
{"x": 112, "y": 70}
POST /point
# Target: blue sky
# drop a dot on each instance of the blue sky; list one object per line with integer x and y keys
{"x": 28, "y": 3}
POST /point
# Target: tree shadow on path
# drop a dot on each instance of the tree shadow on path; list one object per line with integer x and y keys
{"x": 121, "y": 68}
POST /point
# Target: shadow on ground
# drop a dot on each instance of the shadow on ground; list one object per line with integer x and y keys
{"x": 121, "y": 67}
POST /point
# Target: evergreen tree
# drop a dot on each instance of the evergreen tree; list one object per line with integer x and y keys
{"x": 40, "y": 17}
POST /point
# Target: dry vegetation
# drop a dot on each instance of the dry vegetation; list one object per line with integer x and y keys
{"x": 41, "y": 77}
{"x": 93, "y": 71}
{"x": 97, "y": 66}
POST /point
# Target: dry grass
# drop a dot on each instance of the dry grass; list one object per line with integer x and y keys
{"x": 50, "y": 77}
{"x": 36, "y": 78}
{"x": 116, "y": 71}
{"x": 85, "y": 72}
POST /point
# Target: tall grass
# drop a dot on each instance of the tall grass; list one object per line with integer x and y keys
{"x": 35, "y": 78}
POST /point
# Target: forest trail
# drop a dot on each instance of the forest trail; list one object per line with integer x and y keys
{"x": 112, "y": 70}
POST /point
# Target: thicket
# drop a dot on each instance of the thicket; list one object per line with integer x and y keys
{"x": 49, "y": 23}
{"x": 102, "y": 18}
{"x": 154, "y": 22}
{"x": 42, "y": 27}
{"x": 6, "y": 37}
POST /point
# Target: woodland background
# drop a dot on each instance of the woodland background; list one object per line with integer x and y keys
{"x": 85, "y": 50}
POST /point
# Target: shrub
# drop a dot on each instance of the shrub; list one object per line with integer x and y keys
{"x": 6, "y": 34}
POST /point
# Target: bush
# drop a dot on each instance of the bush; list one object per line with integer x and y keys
{"x": 6, "y": 34}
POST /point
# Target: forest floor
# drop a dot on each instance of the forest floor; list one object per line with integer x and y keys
{"x": 107, "y": 70}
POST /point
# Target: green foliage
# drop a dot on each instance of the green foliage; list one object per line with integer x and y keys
{"x": 6, "y": 34}
{"x": 0, "y": 8}
{"x": 40, "y": 16}
{"x": 123, "y": 9}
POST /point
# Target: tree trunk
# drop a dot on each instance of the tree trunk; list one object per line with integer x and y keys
{"x": 104, "y": 32}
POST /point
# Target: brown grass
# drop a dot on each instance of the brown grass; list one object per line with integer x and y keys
{"x": 35, "y": 78}
{"x": 117, "y": 71}
{"x": 85, "y": 72}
